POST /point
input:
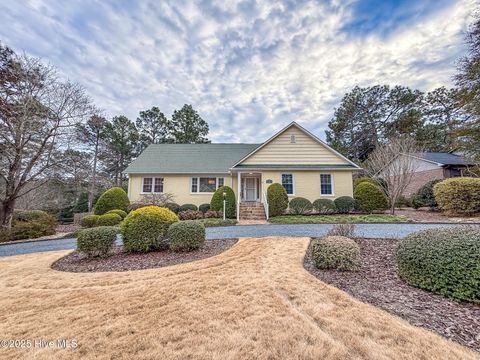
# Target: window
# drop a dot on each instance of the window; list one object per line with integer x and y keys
{"x": 326, "y": 186}
{"x": 206, "y": 184}
{"x": 152, "y": 185}
{"x": 287, "y": 183}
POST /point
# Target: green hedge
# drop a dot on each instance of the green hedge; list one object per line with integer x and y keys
{"x": 300, "y": 206}
{"x": 325, "y": 206}
{"x": 335, "y": 252}
{"x": 370, "y": 197}
{"x": 186, "y": 207}
{"x": 277, "y": 199}
{"x": 98, "y": 241}
{"x": 186, "y": 235}
{"x": 173, "y": 207}
{"x": 345, "y": 204}
{"x": 113, "y": 198}
{"x": 89, "y": 221}
{"x": 204, "y": 208}
{"x": 109, "y": 220}
{"x": 144, "y": 229}
{"x": 424, "y": 196}
{"x": 458, "y": 196}
{"x": 445, "y": 261}
{"x": 123, "y": 214}
{"x": 217, "y": 201}
{"x": 363, "y": 179}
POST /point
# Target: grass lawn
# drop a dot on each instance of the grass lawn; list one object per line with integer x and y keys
{"x": 319, "y": 219}
{"x": 254, "y": 301}
{"x": 217, "y": 222}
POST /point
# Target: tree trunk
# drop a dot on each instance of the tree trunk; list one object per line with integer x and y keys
{"x": 392, "y": 206}
{"x": 94, "y": 178}
{"x": 6, "y": 212}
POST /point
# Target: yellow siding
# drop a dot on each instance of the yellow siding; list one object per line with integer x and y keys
{"x": 307, "y": 183}
{"x": 177, "y": 185}
{"x": 304, "y": 151}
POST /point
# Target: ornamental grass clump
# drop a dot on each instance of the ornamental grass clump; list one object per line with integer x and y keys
{"x": 145, "y": 229}
{"x": 186, "y": 235}
{"x": 335, "y": 252}
{"x": 98, "y": 241}
{"x": 445, "y": 261}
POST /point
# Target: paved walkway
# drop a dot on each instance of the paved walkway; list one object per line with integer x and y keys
{"x": 365, "y": 230}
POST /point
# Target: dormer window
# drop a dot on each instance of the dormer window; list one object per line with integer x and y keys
{"x": 293, "y": 140}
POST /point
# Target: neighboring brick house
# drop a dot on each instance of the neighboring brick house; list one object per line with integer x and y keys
{"x": 436, "y": 165}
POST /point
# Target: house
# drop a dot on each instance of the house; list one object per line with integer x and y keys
{"x": 437, "y": 165}
{"x": 305, "y": 165}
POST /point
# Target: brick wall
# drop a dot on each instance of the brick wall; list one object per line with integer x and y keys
{"x": 421, "y": 178}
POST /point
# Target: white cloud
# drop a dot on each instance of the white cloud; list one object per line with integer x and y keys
{"x": 248, "y": 67}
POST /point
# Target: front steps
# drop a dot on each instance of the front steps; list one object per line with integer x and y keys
{"x": 252, "y": 211}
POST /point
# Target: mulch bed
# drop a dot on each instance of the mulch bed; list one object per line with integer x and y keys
{"x": 425, "y": 215}
{"x": 377, "y": 283}
{"x": 120, "y": 261}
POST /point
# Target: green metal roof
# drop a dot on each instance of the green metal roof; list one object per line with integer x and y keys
{"x": 294, "y": 166}
{"x": 189, "y": 158}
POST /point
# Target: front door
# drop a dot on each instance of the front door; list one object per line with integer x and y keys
{"x": 250, "y": 189}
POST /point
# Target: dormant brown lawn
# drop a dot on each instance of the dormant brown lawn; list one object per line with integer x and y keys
{"x": 252, "y": 301}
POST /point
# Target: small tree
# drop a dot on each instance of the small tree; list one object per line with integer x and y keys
{"x": 392, "y": 165}
{"x": 187, "y": 127}
{"x": 217, "y": 201}
{"x": 113, "y": 198}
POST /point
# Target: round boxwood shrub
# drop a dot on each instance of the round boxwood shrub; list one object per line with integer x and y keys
{"x": 29, "y": 224}
{"x": 186, "y": 207}
{"x": 335, "y": 252}
{"x": 217, "y": 201}
{"x": 89, "y": 221}
{"x": 345, "y": 204}
{"x": 113, "y": 198}
{"x": 370, "y": 197}
{"x": 144, "y": 229}
{"x": 325, "y": 206}
{"x": 300, "y": 206}
{"x": 98, "y": 241}
{"x": 424, "y": 196}
{"x": 204, "y": 208}
{"x": 173, "y": 207}
{"x": 186, "y": 235}
{"x": 458, "y": 196}
{"x": 277, "y": 199}
{"x": 123, "y": 214}
{"x": 363, "y": 179}
{"x": 445, "y": 261}
{"x": 109, "y": 220}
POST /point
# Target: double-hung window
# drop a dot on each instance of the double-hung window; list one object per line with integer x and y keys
{"x": 287, "y": 183}
{"x": 326, "y": 185}
{"x": 152, "y": 185}
{"x": 206, "y": 184}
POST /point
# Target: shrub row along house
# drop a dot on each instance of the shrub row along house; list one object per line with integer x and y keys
{"x": 294, "y": 157}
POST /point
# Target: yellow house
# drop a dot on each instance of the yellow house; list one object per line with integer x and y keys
{"x": 305, "y": 166}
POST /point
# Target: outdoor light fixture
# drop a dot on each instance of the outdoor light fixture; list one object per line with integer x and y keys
{"x": 224, "y": 203}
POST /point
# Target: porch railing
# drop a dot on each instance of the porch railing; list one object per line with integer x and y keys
{"x": 265, "y": 203}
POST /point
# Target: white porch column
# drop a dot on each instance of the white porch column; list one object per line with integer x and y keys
{"x": 238, "y": 195}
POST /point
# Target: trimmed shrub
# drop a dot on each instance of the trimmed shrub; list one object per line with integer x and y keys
{"x": 5, "y": 234}
{"x": 345, "y": 204}
{"x": 144, "y": 229}
{"x": 424, "y": 197}
{"x": 370, "y": 197}
{"x": 403, "y": 201}
{"x": 325, "y": 206}
{"x": 190, "y": 215}
{"x": 346, "y": 230}
{"x": 113, "y": 198}
{"x": 217, "y": 201}
{"x": 30, "y": 224}
{"x": 212, "y": 214}
{"x": 109, "y": 220}
{"x": 204, "y": 208}
{"x": 300, "y": 206}
{"x": 186, "y": 207}
{"x": 98, "y": 241}
{"x": 335, "y": 252}
{"x": 186, "y": 235}
{"x": 363, "y": 179}
{"x": 121, "y": 213}
{"x": 277, "y": 199}
{"x": 445, "y": 261}
{"x": 458, "y": 196}
{"x": 89, "y": 221}
{"x": 173, "y": 207}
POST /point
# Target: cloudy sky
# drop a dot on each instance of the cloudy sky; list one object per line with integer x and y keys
{"x": 249, "y": 67}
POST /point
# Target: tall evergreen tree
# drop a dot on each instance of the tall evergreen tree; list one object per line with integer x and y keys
{"x": 152, "y": 126}
{"x": 187, "y": 127}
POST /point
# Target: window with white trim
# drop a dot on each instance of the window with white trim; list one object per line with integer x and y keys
{"x": 152, "y": 185}
{"x": 326, "y": 186}
{"x": 206, "y": 184}
{"x": 287, "y": 183}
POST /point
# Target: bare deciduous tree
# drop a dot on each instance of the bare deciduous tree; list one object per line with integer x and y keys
{"x": 393, "y": 166}
{"x": 37, "y": 113}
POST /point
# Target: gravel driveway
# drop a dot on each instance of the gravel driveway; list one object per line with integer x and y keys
{"x": 364, "y": 230}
